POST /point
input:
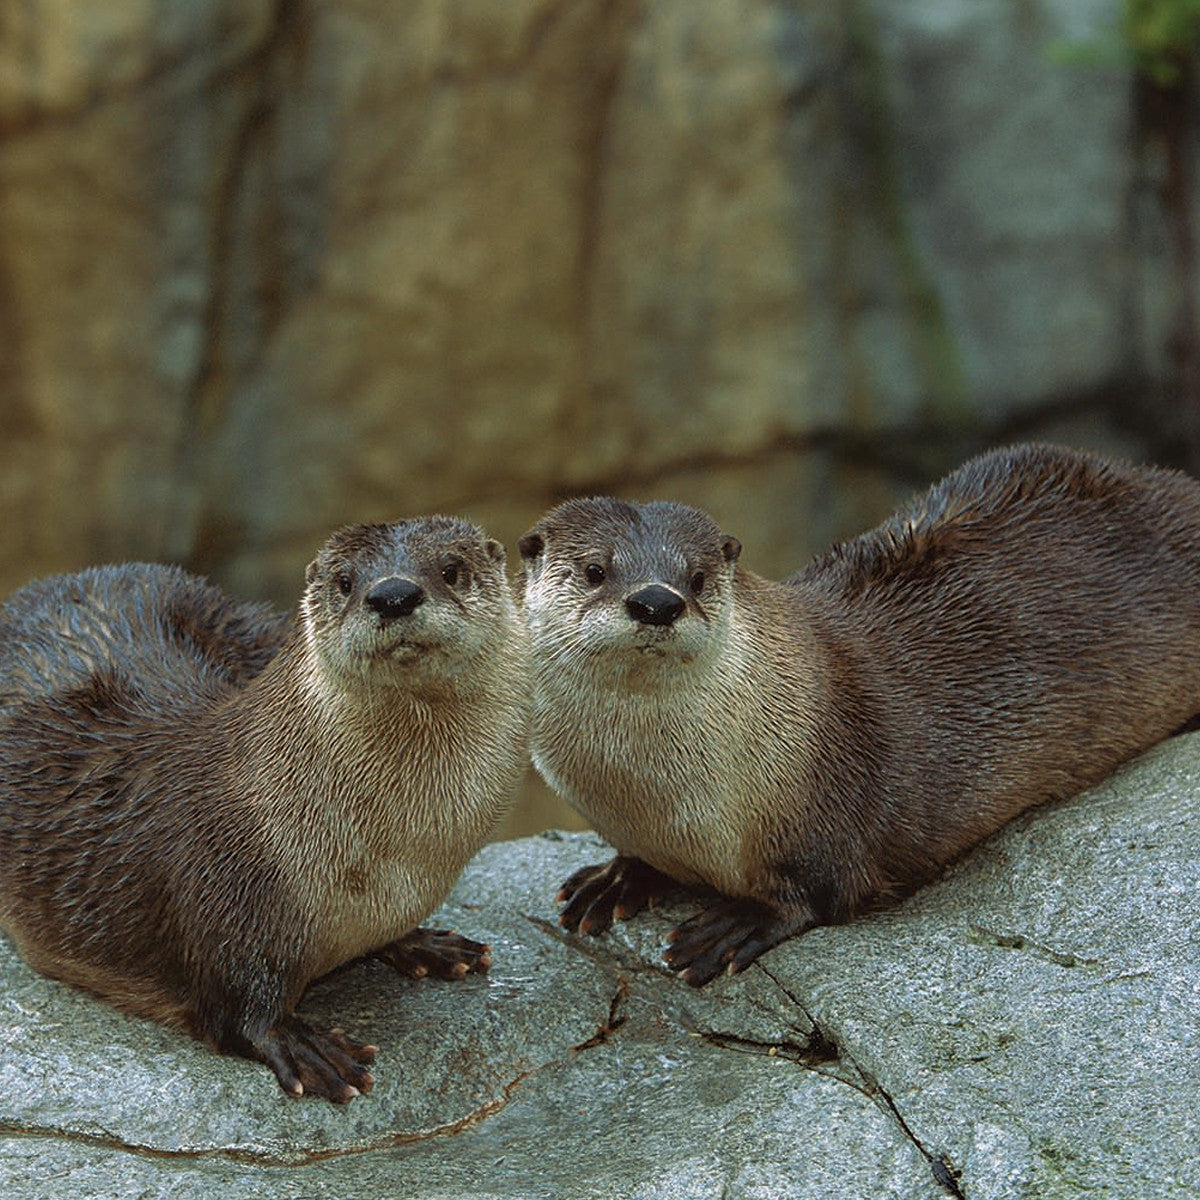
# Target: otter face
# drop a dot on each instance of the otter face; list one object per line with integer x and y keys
{"x": 391, "y": 603}
{"x": 626, "y": 585}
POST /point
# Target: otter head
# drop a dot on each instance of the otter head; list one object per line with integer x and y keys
{"x": 632, "y": 587}
{"x": 396, "y": 604}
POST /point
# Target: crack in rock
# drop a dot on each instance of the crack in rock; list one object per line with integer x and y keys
{"x": 817, "y": 1049}
{"x": 943, "y": 1171}
{"x": 980, "y": 935}
{"x": 607, "y": 954}
{"x": 616, "y": 1018}
{"x": 813, "y": 1057}
{"x": 819, "y": 1036}
{"x": 279, "y": 1157}
{"x": 806, "y": 1054}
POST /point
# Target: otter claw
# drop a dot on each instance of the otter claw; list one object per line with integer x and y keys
{"x": 619, "y": 888}
{"x": 437, "y": 952}
{"x": 309, "y": 1062}
{"x": 728, "y": 936}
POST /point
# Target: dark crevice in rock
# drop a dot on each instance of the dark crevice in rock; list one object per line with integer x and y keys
{"x": 792, "y": 997}
{"x": 281, "y": 1157}
{"x": 607, "y": 953}
{"x": 822, "y": 1046}
{"x": 943, "y": 1170}
{"x": 265, "y": 1157}
{"x": 822, "y": 1043}
{"x": 807, "y": 1053}
{"x": 615, "y": 1019}
{"x": 982, "y": 936}
{"x": 812, "y": 1047}
{"x": 854, "y": 1075}
{"x": 818, "y": 1052}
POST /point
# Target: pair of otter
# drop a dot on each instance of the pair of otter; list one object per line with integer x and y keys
{"x": 203, "y": 807}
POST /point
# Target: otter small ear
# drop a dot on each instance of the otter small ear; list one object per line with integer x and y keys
{"x": 731, "y": 548}
{"x": 495, "y": 550}
{"x": 310, "y": 572}
{"x": 531, "y": 546}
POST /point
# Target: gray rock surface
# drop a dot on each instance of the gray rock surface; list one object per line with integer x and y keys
{"x": 1026, "y": 1027}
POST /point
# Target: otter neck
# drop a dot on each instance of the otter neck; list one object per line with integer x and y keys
{"x": 340, "y": 746}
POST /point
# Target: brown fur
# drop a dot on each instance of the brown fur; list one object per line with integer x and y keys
{"x": 204, "y": 806}
{"x": 811, "y": 747}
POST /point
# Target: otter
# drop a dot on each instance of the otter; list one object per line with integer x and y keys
{"x": 205, "y": 805}
{"x": 808, "y": 749}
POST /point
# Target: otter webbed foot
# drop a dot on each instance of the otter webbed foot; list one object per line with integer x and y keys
{"x": 437, "y": 952}
{"x": 309, "y": 1062}
{"x": 728, "y": 936}
{"x": 620, "y": 888}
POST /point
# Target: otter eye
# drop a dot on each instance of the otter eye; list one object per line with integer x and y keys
{"x": 698, "y": 583}
{"x": 345, "y": 584}
{"x": 450, "y": 574}
{"x": 594, "y": 573}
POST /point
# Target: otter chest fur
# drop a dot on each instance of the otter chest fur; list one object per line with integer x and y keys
{"x": 643, "y": 758}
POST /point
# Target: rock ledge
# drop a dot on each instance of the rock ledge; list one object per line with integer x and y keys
{"x": 1026, "y": 1027}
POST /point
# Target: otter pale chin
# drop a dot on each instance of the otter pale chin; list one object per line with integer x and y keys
{"x": 204, "y": 805}
{"x": 811, "y": 748}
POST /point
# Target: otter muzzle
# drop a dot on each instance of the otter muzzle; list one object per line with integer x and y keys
{"x": 655, "y": 605}
{"x": 392, "y": 598}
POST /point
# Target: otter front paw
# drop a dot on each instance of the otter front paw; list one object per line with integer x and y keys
{"x": 728, "y": 936}
{"x": 619, "y": 888}
{"x": 309, "y": 1062}
{"x": 437, "y": 952}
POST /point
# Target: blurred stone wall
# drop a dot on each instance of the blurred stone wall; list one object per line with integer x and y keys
{"x": 267, "y": 266}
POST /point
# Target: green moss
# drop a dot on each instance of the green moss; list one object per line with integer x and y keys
{"x": 1155, "y": 38}
{"x": 1162, "y": 35}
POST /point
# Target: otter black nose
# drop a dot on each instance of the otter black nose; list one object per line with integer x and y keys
{"x": 394, "y": 597}
{"x": 655, "y": 605}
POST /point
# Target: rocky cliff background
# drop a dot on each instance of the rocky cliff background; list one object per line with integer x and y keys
{"x": 267, "y": 266}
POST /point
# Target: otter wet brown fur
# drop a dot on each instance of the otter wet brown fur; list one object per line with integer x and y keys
{"x": 204, "y": 806}
{"x": 812, "y": 747}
